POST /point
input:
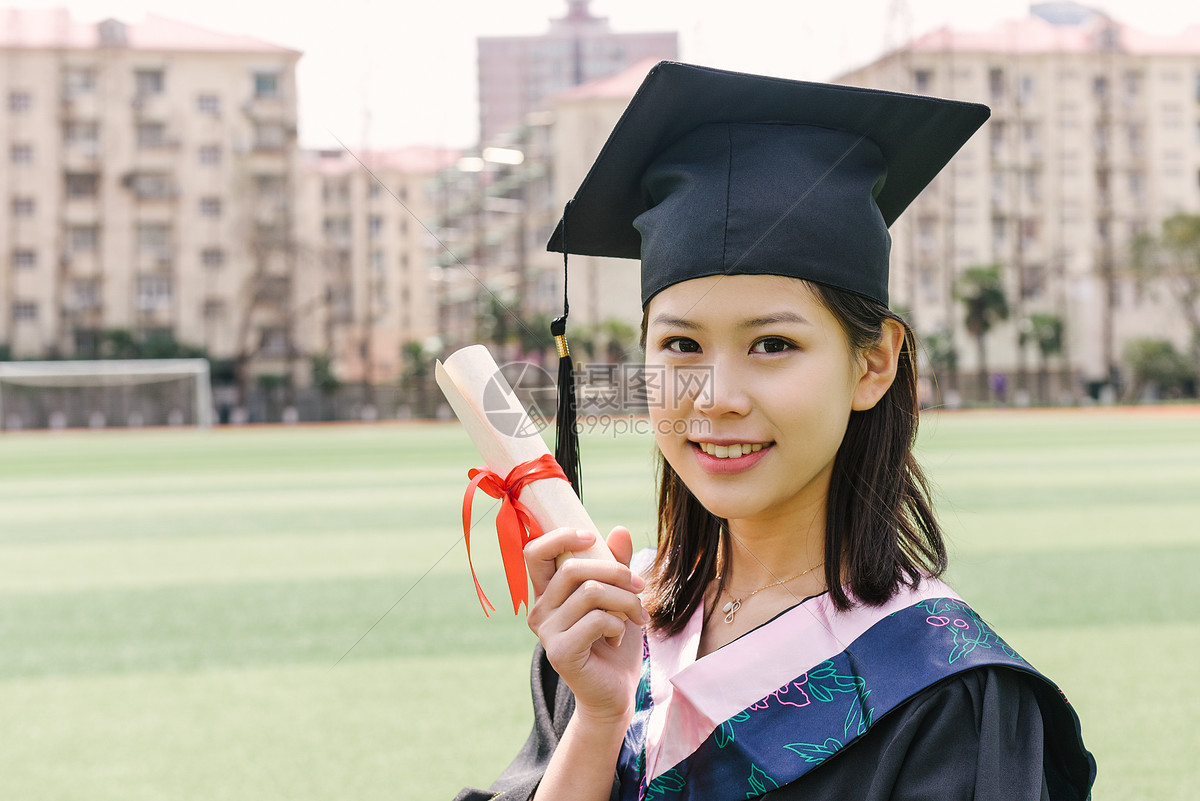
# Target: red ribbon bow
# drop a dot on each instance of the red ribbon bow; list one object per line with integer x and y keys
{"x": 515, "y": 525}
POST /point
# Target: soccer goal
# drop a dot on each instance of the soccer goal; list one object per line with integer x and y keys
{"x": 105, "y": 393}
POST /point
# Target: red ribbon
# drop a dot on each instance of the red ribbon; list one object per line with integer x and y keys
{"x": 515, "y": 525}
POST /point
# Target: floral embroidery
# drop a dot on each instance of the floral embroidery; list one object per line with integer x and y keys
{"x": 815, "y": 752}
{"x": 968, "y": 629}
{"x": 760, "y": 782}
{"x": 671, "y": 781}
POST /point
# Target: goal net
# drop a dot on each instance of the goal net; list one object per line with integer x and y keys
{"x": 105, "y": 393}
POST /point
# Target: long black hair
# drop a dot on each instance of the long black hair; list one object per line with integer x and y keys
{"x": 880, "y": 530}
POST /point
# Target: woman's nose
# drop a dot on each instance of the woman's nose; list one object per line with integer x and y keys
{"x": 721, "y": 391}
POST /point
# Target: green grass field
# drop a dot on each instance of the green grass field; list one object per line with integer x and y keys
{"x": 287, "y": 613}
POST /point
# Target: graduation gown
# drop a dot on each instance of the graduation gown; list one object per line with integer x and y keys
{"x": 918, "y": 699}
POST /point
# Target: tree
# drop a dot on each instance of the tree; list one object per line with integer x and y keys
{"x": 981, "y": 291}
{"x": 1156, "y": 363}
{"x": 325, "y": 380}
{"x": 1046, "y": 331}
{"x": 943, "y": 362}
{"x": 1173, "y": 258}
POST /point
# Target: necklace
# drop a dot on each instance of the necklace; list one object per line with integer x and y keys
{"x": 730, "y": 609}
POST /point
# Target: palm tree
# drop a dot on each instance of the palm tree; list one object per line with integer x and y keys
{"x": 1174, "y": 259}
{"x": 981, "y": 290}
{"x": 1046, "y": 330}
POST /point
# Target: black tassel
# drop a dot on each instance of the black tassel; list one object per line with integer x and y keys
{"x": 566, "y": 433}
{"x": 566, "y": 441}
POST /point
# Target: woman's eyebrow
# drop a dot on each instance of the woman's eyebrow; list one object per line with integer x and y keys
{"x": 773, "y": 319}
{"x": 676, "y": 322}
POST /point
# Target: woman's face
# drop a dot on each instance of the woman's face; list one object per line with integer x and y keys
{"x": 759, "y": 385}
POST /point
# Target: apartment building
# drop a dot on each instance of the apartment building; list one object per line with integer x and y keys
{"x": 496, "y": 209}
{"x": 519, "y": 74}
{"x": 1094, "y": 138}
{"x": 364, "y": 224}
{"x": 147, "y": 173}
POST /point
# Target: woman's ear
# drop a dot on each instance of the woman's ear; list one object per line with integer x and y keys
{"x": 880, "y": 367}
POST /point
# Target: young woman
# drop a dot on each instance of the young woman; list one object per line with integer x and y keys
{"x": 789, "y": 637}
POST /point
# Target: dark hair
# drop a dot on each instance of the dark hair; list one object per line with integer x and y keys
{"x": 880, "y": 530}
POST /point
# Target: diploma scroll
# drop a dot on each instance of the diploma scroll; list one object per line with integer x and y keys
{"x": 505, "y": 437}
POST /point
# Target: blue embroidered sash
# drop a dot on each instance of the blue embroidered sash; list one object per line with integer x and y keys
{"x": 823, "y": 710}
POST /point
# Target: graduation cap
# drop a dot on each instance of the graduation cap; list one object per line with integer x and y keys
{"x": 710, "y": 172}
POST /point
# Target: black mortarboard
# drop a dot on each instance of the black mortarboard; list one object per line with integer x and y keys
{"x": 711, "y": 172}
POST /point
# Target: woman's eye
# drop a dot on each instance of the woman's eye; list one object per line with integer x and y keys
{"x": 682, "y": 345}
{"x": 771, "y": 345}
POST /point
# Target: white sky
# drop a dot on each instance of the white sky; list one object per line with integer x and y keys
{"x": 396, "y": 72}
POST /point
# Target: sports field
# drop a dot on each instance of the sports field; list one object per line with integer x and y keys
{"x": 286, "y": 613}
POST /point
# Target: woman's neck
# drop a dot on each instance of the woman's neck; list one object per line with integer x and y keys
{"x": 763, "y": 551}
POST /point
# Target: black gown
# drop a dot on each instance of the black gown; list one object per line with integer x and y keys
{"x": 979, "y": 735}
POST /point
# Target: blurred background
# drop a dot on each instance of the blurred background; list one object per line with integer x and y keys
{"x": 226, "y": 213}
{"x": 318, "y": 203}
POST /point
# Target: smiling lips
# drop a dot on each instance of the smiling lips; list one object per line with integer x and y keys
{"x": 729, "y": 451}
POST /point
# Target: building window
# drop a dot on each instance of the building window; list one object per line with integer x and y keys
{"x": 1029, "y": 232}
{"x": 1133, "y": 87}
{"x": 154, "y": 238}
{"x": 274, "y": 341}
{"x": 82, "y": 238}
{"x": 24, "y": 259}
{"x": 266, "y": 84}
{"x": 19, "y": 101}
{"x": 22, "y": 207}
{"x": 78, "y": 81}
{"x": 378, "y": 262}
{"x": 151, "y": 135}
{"x": 1137, "y": 187}
{"x": 214, "y": 309}
{"x": 24, "y": 310}
{"x": 85, "y": 293}
{"x": 998, "y": 188}
{"x": 270, "y": 187}
{"x": 82, "y": 137}
{"x": 1032, "y": 185}
{"x": 996, "y": 84}
{"x": 998, "y": 233}
{"x": 210, "y": 207}
{"x": 148, "y": 82}
{"x": 153, "y": 186}
{"x": 1100, "y": 88}
{"x": 374, "y": 226}
{"x": 212, "y": 257}
{"x": 337, "y": 226}
{"x": 210, "y": 154}
{"x": 269, "y": 136}
{"x": 1025, "y": 91}
{"x": 82, "y": 185}
{"x": 208, "y": 104}
{"x": 996, "y": 138}
{"x": 21, "y": 154}
{"x": 153, "y": 291}
{"x": 925, "y": 233}
{"x": 922, "y": 81}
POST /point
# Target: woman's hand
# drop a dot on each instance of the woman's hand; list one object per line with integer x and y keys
{"x": 588, "y": 617}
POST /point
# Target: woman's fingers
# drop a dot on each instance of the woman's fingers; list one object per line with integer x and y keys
{"x": 541, "y": 553}
{"x": 620, "y": 542}
{"x": 571, "y": 647}
{"x": 592, "y": 583}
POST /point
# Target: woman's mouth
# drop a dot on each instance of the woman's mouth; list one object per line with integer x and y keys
{"x": 729, "y": 451}
{"x": 730, "y": 457}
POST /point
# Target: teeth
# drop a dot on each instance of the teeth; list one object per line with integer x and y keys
{"x": 730, "y": 451}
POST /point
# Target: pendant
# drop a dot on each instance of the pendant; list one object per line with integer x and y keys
{"x": 730, "y": 609}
